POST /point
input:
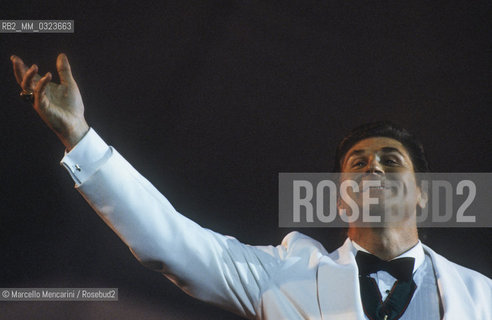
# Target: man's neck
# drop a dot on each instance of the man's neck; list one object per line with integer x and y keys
{"x": 385, "y": 243}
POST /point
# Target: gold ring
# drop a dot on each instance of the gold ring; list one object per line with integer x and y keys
{"x": 27, "y": 96}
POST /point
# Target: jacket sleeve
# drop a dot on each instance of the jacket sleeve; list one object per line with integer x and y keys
{"x": 207, "y": 265}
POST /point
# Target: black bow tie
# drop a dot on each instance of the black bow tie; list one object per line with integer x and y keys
{"x": 401, "y": 268}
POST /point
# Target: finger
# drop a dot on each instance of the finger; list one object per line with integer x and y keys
{"x": 19, "y": 68}
{"x": 28, "y": 76}
{"x": 40, "y": 89}
{"x": 64, "y": 71}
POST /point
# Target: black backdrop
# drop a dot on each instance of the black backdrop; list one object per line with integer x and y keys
{"x": 210, "y": 101}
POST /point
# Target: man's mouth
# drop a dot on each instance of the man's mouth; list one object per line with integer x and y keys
{"x": 372, "y": 185}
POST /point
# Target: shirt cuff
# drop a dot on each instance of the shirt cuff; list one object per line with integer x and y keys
{"x": 86, "y": 157}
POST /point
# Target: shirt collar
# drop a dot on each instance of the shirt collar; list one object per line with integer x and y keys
{"x": 417, "y": 252}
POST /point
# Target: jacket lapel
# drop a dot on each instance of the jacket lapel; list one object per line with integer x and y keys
{"x": 338, "y": 285}
{"x": 456, "y": 302}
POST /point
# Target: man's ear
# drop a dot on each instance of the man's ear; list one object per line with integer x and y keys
{"x": 422, "y": 198}
{"x": 340, "y": 204}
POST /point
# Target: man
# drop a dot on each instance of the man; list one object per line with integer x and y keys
{"x": 299, "y": 279}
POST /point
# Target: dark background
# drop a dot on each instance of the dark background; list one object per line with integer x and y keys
{"x": 210, "y": 101}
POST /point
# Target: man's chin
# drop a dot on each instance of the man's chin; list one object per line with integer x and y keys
{"x": 380, "y": 217}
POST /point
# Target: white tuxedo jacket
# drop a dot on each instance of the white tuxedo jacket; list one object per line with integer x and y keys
{"x": 297, "y": 279}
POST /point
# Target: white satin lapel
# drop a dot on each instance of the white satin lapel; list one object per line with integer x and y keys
{"x": 338, "y": 285}
{"x": 456, "y": 302}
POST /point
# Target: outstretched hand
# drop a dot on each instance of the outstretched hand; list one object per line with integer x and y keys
{"x": 59, "y": 105}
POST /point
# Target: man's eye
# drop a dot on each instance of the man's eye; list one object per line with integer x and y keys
{"x": 358, "y": 164}
{"x": 390, "y": 162}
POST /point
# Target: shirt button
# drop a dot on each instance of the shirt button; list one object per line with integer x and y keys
{"x": 77, "y": 167}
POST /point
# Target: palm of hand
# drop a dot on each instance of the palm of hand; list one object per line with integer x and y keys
{"x": 59, "y": 105}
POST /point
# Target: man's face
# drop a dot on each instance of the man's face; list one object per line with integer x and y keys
{"x": 377, "y": 153}
{"x": 385, "y": 162}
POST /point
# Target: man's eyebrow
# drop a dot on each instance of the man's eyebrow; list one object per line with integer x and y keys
{"x": 384, "y": 149}
{"x": 391, "y": 149}
{"x": 355, "y": 153}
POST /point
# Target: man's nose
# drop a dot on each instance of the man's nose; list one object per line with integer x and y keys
{"x": 373, "y": 166}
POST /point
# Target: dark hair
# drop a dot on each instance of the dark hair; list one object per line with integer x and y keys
{"x": 383, "y": 129}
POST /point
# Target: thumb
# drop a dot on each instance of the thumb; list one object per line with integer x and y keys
{"x": 63, "y": 68}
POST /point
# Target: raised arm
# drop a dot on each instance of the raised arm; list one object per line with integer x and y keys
{"x": 207, "y": 265}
